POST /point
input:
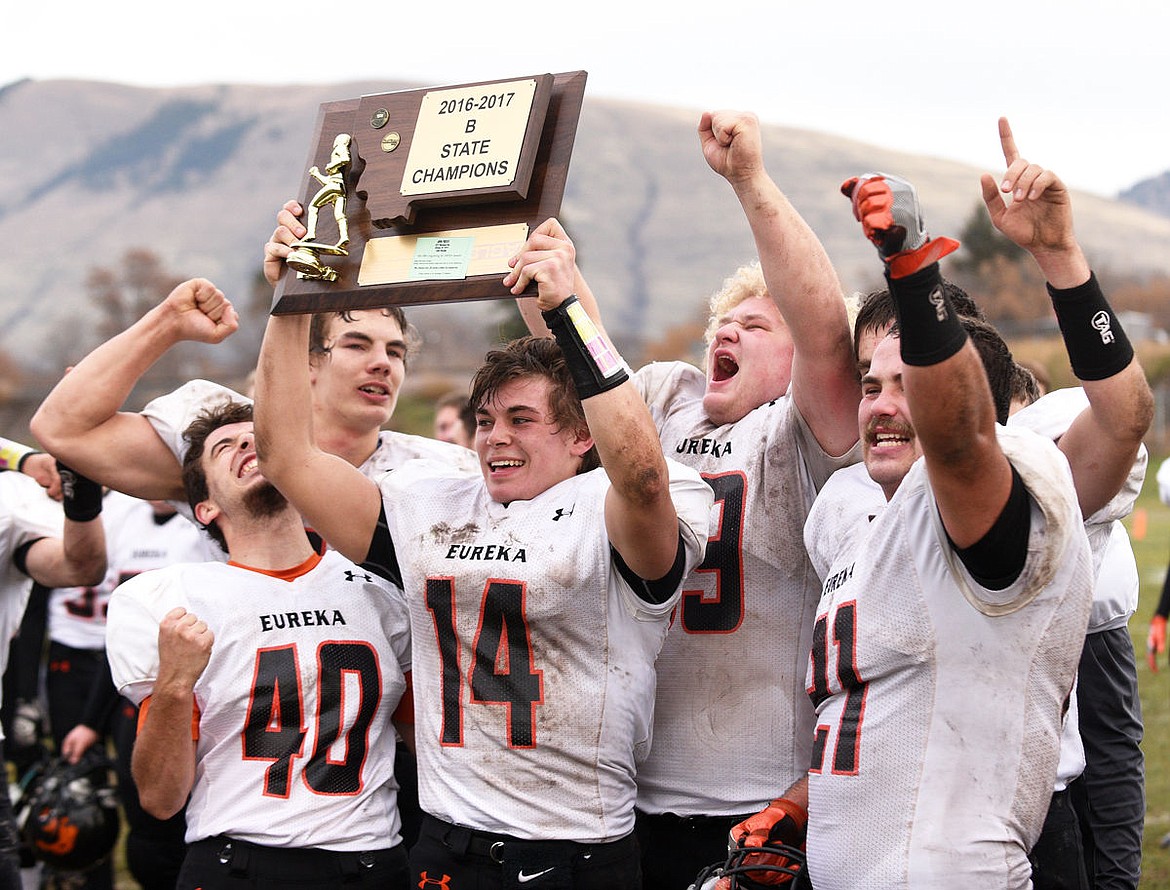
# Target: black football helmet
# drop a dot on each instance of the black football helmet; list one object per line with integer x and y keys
{"x": 68, "y": 812}
{"x": 782, "y": 866}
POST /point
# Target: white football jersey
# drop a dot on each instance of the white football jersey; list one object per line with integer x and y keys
{"x": 732, "y": 722}
{"x": 850, "y": 499}
{"x": 26, "y": 514}
{"x": 135, "y": 543}
{"x": 939, "y": 702}
{"x": 296, "y": 747}
{"x": 1116, "y": 596}
{"x": 533, "y": 657}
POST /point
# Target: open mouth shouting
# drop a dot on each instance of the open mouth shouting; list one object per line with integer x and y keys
{"x": 723, "y": 366}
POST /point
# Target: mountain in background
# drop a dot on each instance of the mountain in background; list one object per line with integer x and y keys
{"x": 195, "y": 175}
{"x": 1152, "y": 193}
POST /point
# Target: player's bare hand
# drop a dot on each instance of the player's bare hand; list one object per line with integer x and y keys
{"x": 199, "y": 311}
{"x": 731, "y": 144}
{"x": 184, "y": 647}
{"x": 289, "y": 230}
{"x": 548, "y": 258}
{"x": 77, "y": 741}
{"x": 43, "y": 469}
{"x": 1039, "y": 216}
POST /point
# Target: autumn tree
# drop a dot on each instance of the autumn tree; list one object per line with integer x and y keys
{"x": 121, "y": 295}
{"x": 983, "y": 243}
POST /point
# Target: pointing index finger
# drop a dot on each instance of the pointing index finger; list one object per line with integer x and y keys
{"x": 1007, "y": 142}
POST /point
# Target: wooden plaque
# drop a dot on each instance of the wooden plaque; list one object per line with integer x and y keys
{"x": 441, "y": 187}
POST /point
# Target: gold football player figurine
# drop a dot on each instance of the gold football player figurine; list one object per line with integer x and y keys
{"x": 305, "y": 256}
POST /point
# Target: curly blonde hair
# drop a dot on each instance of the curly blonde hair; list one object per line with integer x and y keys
{"x": 746, "y": 282}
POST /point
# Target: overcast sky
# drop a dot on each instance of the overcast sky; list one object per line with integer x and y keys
{"x": 1083, "y": 83}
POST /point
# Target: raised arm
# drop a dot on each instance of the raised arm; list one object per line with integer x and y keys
{"x": 800, "y": 279}
{"x": 639, "y": 513}
{"x": 954, "y": 418}
{"x": 947, "y": 394}
{"x": 335, "y": 499}
{"x": 80, "y": 421}
{"x": 1102, "y": 442}
{"x": 163, "y": 763}
{"x": 78, "y": 557}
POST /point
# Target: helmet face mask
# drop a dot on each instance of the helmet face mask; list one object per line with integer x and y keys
{"x": 68, "y": 813}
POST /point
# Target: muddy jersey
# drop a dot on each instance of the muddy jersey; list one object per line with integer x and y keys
{"x": 533, "y": 655}
{"x": 940, "y": 703}
{"x": 135, "y": 543}
{"x": 26, "y": 514}
{"x": 1116, "y": 597}
{"x": 850, "y": 499}
{"x": 295, "y": 745}
{"x": 732, "y": 724}
{"x": 844, "y": 507}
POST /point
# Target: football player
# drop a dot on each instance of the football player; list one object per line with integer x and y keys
{"x": 1098, "y": 427}
{"x": 267, "y": 686}
{"x": 770, "y": 419}
{"x": 539, "y": 592}
{"x": 1006, "y": 567}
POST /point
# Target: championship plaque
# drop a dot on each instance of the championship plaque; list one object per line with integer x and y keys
{"x": 422, "y": 196}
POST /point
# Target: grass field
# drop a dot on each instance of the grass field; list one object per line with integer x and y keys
{"x": 1150, "y": 532}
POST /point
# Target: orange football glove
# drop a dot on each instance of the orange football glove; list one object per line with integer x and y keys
{"x": 887, "y": 208}
{"x": 1156, "y": 641}
{"x": 780, "y": 822}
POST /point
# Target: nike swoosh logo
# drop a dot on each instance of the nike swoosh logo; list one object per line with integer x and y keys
{"x": 524, "y": 878}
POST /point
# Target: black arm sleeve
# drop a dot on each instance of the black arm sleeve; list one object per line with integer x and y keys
{"x": 660, "y": 590}
{"x": 20, "y": 556}
{"x": 381, "y": 558}
{"x": 997, "y": 559}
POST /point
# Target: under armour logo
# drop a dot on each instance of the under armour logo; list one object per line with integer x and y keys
{"x": 427, "y": 881}
{"x": 353, "y": 576}
{"x": 1104, "y": 326}
{"x": 562, "y": 512}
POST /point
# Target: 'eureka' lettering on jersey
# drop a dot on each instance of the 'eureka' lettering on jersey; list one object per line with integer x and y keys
{"x": 307, "y": 618}
{"x": 703, "y": 446}
{"x": 835, "y": 581}
{"x": 486, "y": 551}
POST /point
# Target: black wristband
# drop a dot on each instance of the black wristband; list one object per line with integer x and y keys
{"x": 80, "y": 496}
{"x": 593, "y": 363}
{"x": 929, "y": 329}
{"x": 1097, "y": 345}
